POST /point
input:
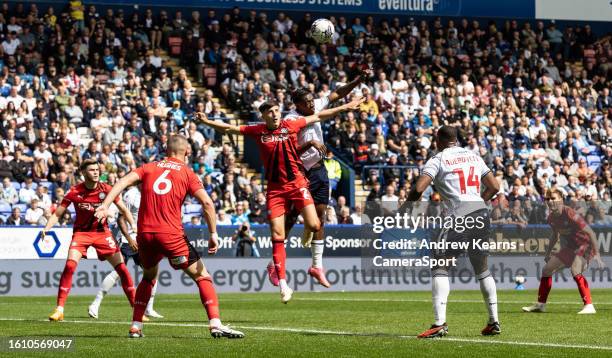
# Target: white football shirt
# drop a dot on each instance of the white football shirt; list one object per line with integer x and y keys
{"x": 457, "y": 174}
{"x": 311, "y": 132}
{"x": 131, "y": 199}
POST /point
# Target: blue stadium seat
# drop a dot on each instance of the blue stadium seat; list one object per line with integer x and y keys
{"x": 593, "y": 161}
{"x": 187, "y": 218}
{"x": 5, "y": 208}
{"x": 193, "y": 208}
{"x": 16, "y": 185}
{"x": 22, "y": 207}
{"x": 47, "y": 184}
{"x": 4, "y": 218}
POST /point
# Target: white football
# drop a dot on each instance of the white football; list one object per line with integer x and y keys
{"x": 519, "y": 280}
{"x": 322, "y": 31}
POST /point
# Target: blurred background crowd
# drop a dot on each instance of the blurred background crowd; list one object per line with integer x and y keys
{"x": 531, "y": 98}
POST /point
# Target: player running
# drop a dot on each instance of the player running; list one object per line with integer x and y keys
{"x": 457, "y": 173}
{"x": 129, "y": 250}
{"x": 287, "y": 185}
{"x": 578, "y": 247}
{"x": 312, "y": 151}
{"x": 86, "y": 197}
{"x": 164, "y": 186}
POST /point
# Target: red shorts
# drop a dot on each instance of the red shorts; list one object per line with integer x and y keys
{"x": 103, "y": 242}
{"x": 280, "y": 200}
{"x": 152, "y": 247}
{"x": 568, "y": 254}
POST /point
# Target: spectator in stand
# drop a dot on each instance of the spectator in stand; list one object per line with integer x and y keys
{"x": 34, "y": 214}
{"x": 16, "y": 219}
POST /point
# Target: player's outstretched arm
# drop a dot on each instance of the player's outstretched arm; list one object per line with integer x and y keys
{"x": 127, "y": 181}
{"x": 216, "y": 125}
{"x": 348, "y": 88}
{"x": 210, "y": 218}
{"x": 53, "y": 219}
{"x": 331, "y": 112}
{"x": 491, "y": 185}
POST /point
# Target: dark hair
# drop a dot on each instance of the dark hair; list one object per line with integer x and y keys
{"x": 267, "y": 105}
{"x": 447, "y": 134}
{"x": 88, "y": 162}
{"x": 299, "y": 95}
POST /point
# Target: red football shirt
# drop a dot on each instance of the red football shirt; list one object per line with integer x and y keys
{"x": 86, "y": 201}
{"x": 570, "y": 225}
{"x": 165, "y": 184}
{"x": 278, "y": 150}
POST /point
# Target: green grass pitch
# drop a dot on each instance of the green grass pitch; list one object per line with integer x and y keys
{"x": 322, "y": 324}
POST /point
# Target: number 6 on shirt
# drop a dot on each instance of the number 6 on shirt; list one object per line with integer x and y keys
{"x": 162, "y": 180}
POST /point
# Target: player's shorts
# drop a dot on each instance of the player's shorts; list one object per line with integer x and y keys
{"x": 318, "y": 184}
{"x": 152, "y": 247}
{"x": 103, "y": 242}
{"x": 281, "y": 200}
{"x": 128, "y": 254}
{"x": 568, "y": 254}
{"x": 478, "y": 233}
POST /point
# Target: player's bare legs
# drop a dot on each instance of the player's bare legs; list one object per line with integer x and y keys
{"x": 116, "y": 260}
{"x": 489, "y": 292}
{"x": 143, "y": 295}
{"x": 315, "y": 225}
{"x": 74, "y": 256}
{"x": 552, "y": 266}
{"x": 279, "y": 256}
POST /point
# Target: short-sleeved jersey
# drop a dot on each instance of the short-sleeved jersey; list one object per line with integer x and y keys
{"x": 86, "y": 201}
{"x": 165, "y": 185}
{"x": 456, "y": 174}
{"x": 131, "y": 199}
{"x": 313, "y": 131}
{"x": 278, "y": 150}
{"x": 570, "y": 225}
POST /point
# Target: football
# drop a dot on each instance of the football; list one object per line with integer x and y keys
{"x": 322, "y": 31}
{"x": 519, "y": 280}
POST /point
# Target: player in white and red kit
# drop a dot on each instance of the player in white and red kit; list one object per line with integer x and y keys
{"x": 287, "y": 184}
{"x": 457, "y": 174}
{"x": 87, "y": 231}
{"x": 164, "y": 186}
{"x": 578, "y": 247}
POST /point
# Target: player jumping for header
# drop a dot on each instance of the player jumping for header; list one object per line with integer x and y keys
{"x": 86, "y": 197}
{"x": 312, "y": 151}
{"x": 578, "y": 248}
{"x": 287, "y": 184}
{"x": 164, "y": 186}
{"x": 457, "y": 173}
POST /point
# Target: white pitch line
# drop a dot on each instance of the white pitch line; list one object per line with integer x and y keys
{"x": 343, "y": 333}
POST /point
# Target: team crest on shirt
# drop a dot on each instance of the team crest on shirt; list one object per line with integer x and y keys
{"x": 102, "y": 196}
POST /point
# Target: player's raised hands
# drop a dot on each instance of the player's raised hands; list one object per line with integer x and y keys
{"x": 355, "y": 103}
{"x": 213, "y": 243}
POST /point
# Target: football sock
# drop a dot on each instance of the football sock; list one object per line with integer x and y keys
{"x": 126, "y": 282}
{"x": 544, "y": 290}
{"x": 143, "y": 293}
{"x": 440, "y": 288}
{"x": 208, "y": 296}
{"x": 66, "y": 282}
{"x": 583, "y": 288}
{"x": 279, "y": 256}
{"x": 152, "y": 299}
{"x": 107, "y": 284}
{"x": 316, "y": 249}
{"x": 489, "y": 293}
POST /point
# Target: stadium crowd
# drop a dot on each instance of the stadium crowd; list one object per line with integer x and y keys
{"x": 533, "y": 101}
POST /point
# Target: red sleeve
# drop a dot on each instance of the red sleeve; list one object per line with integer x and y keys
{"x": 139, "y": 171}
{"x": 576, "y": 219}
{"x": 251, "y": 130}
{"x": 297, "y": 124}
{"x": 66, "y": 201}
{"x": 194, "y": 184}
